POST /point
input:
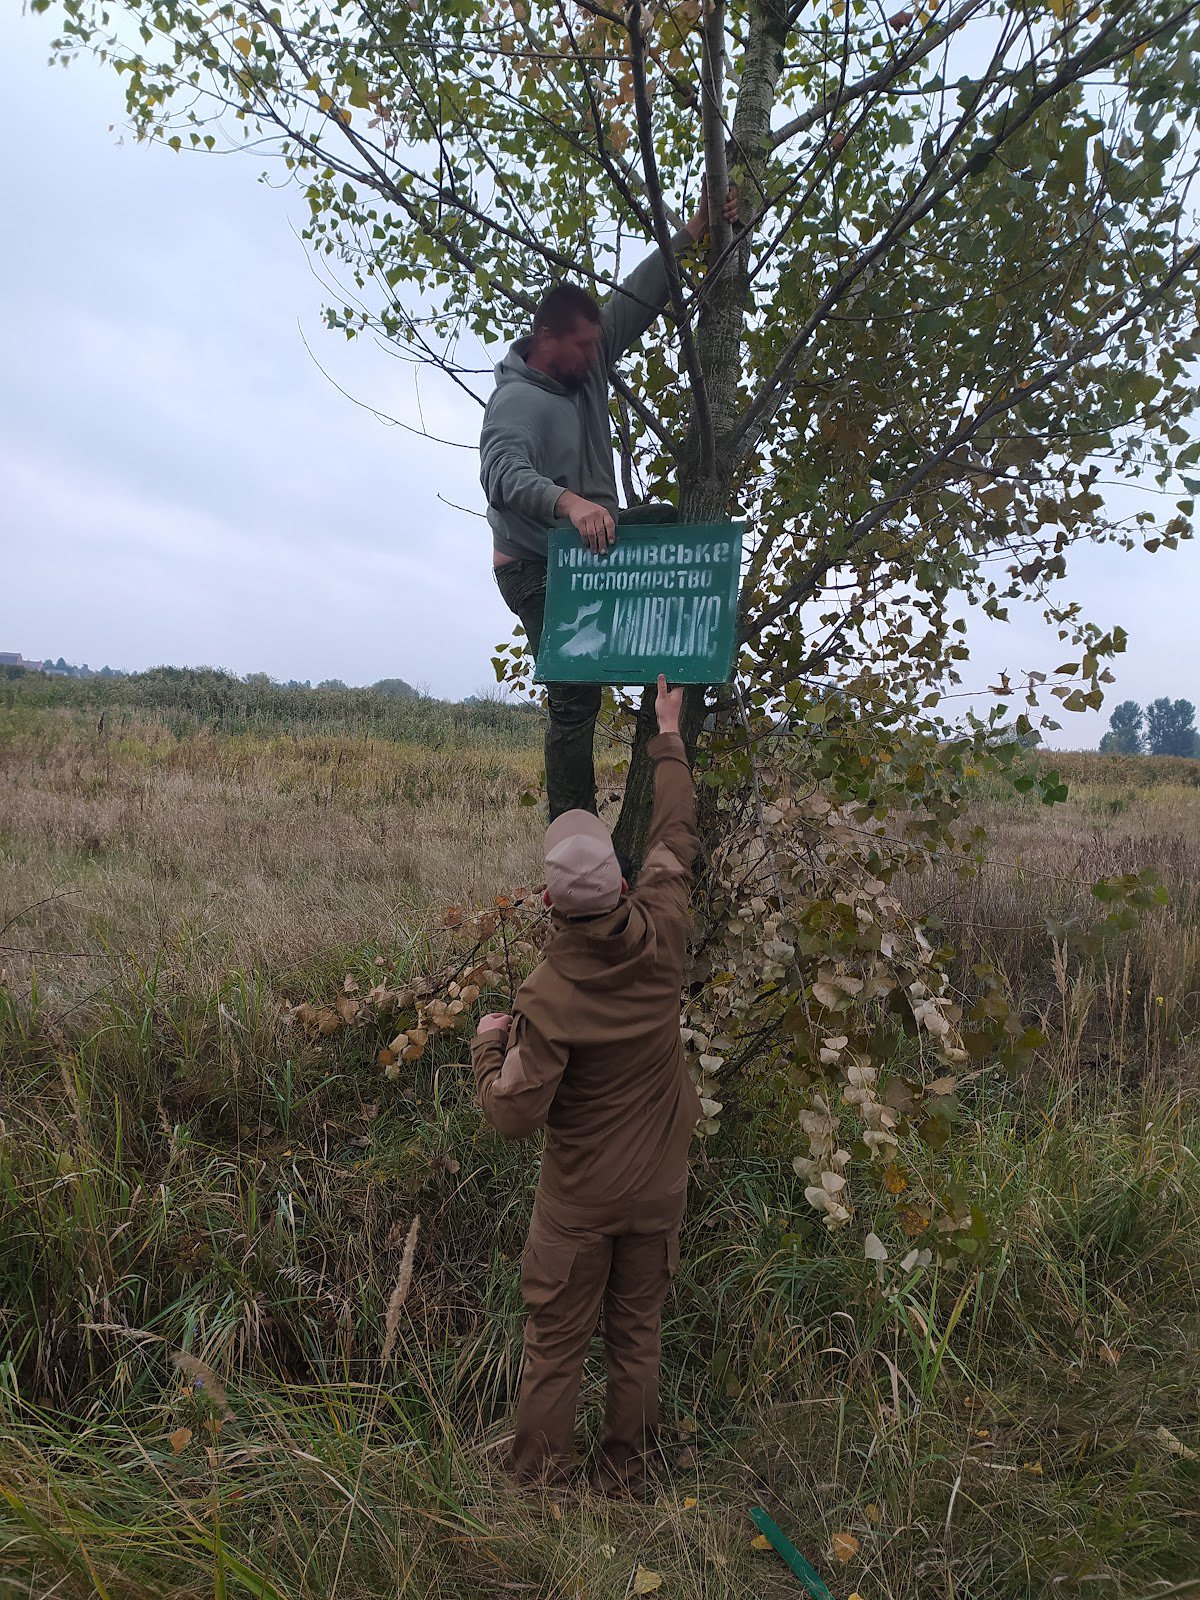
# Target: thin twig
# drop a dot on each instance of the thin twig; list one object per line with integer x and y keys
{"x": 59, "y": 894}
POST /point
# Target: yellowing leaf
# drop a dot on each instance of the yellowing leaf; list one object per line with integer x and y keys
{"x": 646, "y": 1582}
{"x": 180, "y": 1439}
{"x": 243, "y": 45}
{"x": 843, "y": 1547}
{"x": 760, "y": 1542}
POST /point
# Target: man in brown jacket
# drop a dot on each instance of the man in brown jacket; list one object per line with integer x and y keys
{"x": 593, "y": 1053}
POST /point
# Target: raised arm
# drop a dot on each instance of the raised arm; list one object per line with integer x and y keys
{"x": 640, "y": 299}
{"x": 665, "y": 881}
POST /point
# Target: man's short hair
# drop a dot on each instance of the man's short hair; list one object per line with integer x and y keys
{"x": 561, "y": 307}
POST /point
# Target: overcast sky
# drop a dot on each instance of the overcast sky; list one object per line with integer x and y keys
{"x": 180, "y": 483}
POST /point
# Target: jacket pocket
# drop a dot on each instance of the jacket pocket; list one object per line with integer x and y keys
{"x": 545, "y": 1270}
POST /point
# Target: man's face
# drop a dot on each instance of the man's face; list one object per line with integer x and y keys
{"x": 569, "y": 357}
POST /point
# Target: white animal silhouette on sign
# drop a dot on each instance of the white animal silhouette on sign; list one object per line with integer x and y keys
{"x": 584, "y": 638}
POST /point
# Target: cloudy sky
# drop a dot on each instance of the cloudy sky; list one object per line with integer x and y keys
{"x": 180, "y": 482}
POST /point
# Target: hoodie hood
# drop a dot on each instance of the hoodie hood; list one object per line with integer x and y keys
{"x": 605, "y": 951}
{"x": 512, "y": 369}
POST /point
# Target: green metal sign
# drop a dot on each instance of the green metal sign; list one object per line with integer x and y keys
{"x": 663, "y": 599}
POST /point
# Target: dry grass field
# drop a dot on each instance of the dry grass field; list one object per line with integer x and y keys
{"x": 181, "y": 1170}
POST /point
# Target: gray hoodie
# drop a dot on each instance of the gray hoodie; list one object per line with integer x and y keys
{"x": 539, "y": 438}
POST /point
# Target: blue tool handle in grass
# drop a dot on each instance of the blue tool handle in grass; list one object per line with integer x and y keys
{"x": 808, "y": 1574}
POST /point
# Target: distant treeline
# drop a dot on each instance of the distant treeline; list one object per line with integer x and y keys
{"x": 187, "y": 699}
{"x": 1165, "y": 728}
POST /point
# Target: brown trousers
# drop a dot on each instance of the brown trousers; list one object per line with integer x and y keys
{"x": 576, "y": 1266}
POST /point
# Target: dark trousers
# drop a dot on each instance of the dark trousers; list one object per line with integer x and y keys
{"x": 572, "y": 1277}
{"x": 570, "y": 731}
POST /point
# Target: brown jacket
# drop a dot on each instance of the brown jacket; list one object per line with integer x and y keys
{"x": 595, "y": 1053}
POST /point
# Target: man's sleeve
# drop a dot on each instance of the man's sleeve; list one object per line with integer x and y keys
{"x": 665, "y": 880}
{"x": 517, "y": 1085}
{"x": 635, "y": 304}
{"x": 507, "y": 472}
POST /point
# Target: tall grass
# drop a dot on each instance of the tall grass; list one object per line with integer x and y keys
{"x": 181, "y": 1172}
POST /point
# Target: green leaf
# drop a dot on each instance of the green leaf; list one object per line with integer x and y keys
{"x": 358, "y": 87}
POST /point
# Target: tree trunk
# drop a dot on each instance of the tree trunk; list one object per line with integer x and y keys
{"x": 633, "y": 824}
{"x": 708, "y": 497}
{"x": 699, "y": 503}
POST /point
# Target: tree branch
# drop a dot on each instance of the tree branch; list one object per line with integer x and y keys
{"x": 806, "y": 588}
{"x": 662, "y": 234}
{"x": 376, "y": 177}
{"x": 611, "y": 163}
{"x": 716, "y": 165}
{"x": 845, "y": 94}
{"x": 635, "y": 403}
{"x": 1097, "y": 53}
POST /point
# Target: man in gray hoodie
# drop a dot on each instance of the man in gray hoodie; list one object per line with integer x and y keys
{"x": 546, "y": 455}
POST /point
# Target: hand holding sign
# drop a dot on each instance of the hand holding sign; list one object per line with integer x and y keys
{"x": 596, "y": 526}
{"x": 668, "y": 706}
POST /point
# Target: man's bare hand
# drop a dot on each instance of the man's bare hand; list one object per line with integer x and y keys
{"x": 596, "y": 526}
{"x": 668, "y": 706}
{"x": 494, "y": 1019}
{"x": 699, "y": 224}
